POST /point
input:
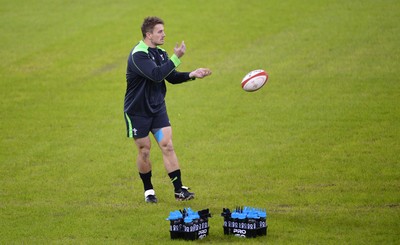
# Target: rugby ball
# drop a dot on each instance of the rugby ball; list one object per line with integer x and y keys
{"x": 254, "y": 80}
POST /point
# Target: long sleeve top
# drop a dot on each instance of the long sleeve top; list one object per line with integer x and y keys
{"x": 147, "y": 70}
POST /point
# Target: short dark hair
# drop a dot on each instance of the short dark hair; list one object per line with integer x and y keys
{"x": 149, "y": 23}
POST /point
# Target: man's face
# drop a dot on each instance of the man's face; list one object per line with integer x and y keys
{"x": 157, "y": 36}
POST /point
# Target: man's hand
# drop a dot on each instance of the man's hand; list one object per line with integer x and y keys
{"x": 180, "y": 50}
{"x": 200, "y": 73}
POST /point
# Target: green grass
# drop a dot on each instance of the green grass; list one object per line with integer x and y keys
{"x": 318, "y": 146}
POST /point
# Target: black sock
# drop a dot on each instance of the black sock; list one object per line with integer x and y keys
{"x": 146, "y": 178}
{"x": 175, "y": 177}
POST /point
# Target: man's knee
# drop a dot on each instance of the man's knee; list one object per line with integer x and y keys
{"x": 144, "y": 152}
{"x": 166, "y": 146}
{"x": 143, "y": 146}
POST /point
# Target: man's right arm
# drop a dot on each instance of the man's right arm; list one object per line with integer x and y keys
{"x": 146, "y": 67}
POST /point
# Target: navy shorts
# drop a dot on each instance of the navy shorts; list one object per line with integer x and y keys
{"x": 141, "y": 126}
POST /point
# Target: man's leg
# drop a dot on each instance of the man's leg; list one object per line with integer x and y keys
{"x": 144, "y": 167}
{"x": 164, "y": 139}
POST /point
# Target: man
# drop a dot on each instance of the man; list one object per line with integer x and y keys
{"x": 145, "y": 110}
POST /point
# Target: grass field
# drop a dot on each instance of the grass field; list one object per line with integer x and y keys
{"x": 318, "y": 146}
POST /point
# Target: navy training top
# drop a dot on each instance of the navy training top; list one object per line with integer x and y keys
{"x": 146, "y": 72}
